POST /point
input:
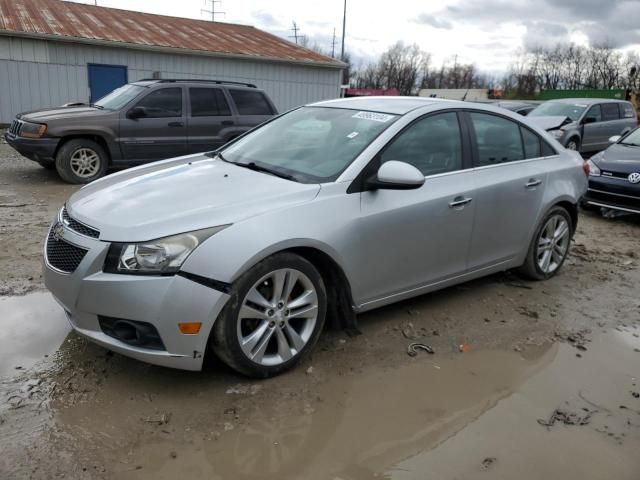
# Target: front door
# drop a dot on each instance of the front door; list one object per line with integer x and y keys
{"x": 412, "y": 238}
{"x": 160, "y": 132}
{"x": 594, "y": 134}
{"x": 509, "y": 177}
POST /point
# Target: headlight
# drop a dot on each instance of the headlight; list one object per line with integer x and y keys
{"x": 32, "y": 130}
{"x": 557, "y": 133}
{"x": 164, "y": 256}
{"x": 594, "y": 171}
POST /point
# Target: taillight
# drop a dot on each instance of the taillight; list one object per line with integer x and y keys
{"x": 585, "y": 168}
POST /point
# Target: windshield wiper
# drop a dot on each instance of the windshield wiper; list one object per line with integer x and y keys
{"x": 94, "y": 105}
{"x": 630, "y": 144}
{"x": 257, "y": 168}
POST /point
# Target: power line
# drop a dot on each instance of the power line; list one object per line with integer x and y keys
{"x": 295, "y": 29}
{"x": 344, "y": 25}
{"x": 213, "y": 11}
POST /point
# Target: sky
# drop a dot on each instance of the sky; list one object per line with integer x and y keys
{"x": 487, "y": 33}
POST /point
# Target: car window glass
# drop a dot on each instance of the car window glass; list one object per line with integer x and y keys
{"x": 208, "y": 102}
{"x": 595, "y": 112}
{"x": 627, "y": 110}
{"x": 498, "y": 139}
{"x": 250, "y": 102}
{"x": 531, "y": 143}
{"x": 610, "y": 111}
{"x": 163, "y": 103}
{"x": 432, "y": 145}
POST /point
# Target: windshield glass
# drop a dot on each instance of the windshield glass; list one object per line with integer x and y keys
{"x": 633, "y": 138}
{"x": 119, "y": 97}
{"x": 312, "y": 144}
{"x": 552, "y": 109}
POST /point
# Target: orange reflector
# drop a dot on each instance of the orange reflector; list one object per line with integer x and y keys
{"x": 190, "y": 328}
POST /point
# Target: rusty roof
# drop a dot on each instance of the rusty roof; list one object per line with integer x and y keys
{"x": 90, "y": 24}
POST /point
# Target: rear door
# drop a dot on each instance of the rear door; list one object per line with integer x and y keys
{"x": 412, "y": 238}
{"x": 161, "y": 133}
{"x": 613, "y": 124}
{"x": 510, "y": 174}
{"x": 210, "y": 123}
{"x": 252, "y": 107}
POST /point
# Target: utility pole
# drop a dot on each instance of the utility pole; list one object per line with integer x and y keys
{"x": 213, "y": 11}
{"x": 295, "y": 30}
{"x": 344, "y": 24}
{"x": 333, "y": 44}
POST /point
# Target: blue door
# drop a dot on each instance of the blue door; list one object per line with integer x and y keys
{"x": 104, "y": 79}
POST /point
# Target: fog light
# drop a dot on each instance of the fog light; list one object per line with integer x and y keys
{"x": 190, "y": 328}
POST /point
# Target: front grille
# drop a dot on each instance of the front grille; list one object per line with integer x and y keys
{"x": 78, "y": 227}
{"x": 14, "y": 129}
{"x": 610, "y": 174}
{"x": 621, "y": 201}
{"x": 62, "y": 255}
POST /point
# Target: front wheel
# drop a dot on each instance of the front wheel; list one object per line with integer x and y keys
{"x": 273, "y": 318}
{"x": 573, "y": 144}
{"x": 550, "y": 245}
{"x": 81, "y": 161}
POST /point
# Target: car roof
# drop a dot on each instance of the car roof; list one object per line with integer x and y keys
{"x": 393, "y": 105}
{"x": 587, "y": 101}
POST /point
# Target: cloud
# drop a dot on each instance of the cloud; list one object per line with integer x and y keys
{"x": 544, "y": 34}
{"x": 265, "y": 19}
{"x": 432, "y": 21}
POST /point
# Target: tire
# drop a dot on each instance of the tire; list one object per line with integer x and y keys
{"x": 533, "y": 266}
{"x": 280, "y": 334}
{"x": 573, "y": 144}
{"x": 81, "y": 161}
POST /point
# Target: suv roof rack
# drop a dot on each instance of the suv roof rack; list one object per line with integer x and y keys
{"x": 189, "y": 80}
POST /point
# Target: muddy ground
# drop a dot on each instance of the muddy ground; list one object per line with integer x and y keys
{"x": 548, "y": 387}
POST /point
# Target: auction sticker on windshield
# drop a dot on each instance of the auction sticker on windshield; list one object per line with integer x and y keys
{"x": 376, "y": 117}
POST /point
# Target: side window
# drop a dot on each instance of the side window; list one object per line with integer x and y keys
{"x": 498, "y": 139}
{"x": 610, "y": 112}
{"x": 594, "y": 112}
{"x": 627, "y": 110}
{"x": 250, "y": 102}
{"x": 163, "y": 103}
{"x": 208, "y": 102}
{"x": 531, "y": 143}
{"x": 431, "y": 144}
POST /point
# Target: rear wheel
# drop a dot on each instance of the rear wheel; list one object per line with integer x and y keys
{"x": 81, "y": 161}
{"x": 550, "y": 245}
{"x": 273, "y": 318}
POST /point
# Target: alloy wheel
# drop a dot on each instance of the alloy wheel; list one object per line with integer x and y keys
{"x": 277, "y": 317}
{"x": 553, "y": 244}
{"x": 85, "y": 162}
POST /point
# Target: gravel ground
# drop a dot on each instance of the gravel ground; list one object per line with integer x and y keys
{"x": 359, "y": 407}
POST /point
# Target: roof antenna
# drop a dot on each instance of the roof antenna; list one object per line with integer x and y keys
{"x": 213, "y": 11}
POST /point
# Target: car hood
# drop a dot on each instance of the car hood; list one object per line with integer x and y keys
{"x": 60, "y": 113}
{"x": 619, "y": 158}
{"x": 551, "y": 122}
{"x": 181, "y": 195}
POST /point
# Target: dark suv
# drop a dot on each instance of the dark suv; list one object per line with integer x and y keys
{"x": 137, "y": 123}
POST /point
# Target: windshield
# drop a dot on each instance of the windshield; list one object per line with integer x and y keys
{"x": 632, "y": 139}
{"x": 552, "y": 109}
{"x": 119, "y": 97}
{"x": 311, "y": 144}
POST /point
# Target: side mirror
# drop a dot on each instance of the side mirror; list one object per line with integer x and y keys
{"x": 137, "y": 112}
{"x": 589, "y": 120}
{"x": 394, "y": 175}
{"x": 615, "y": 138}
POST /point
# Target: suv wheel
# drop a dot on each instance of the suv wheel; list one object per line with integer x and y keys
{"x": 550, "y": 245}
{"x": 273, "y": 318}
{"x": 81, "y": 161}
{"x": 573, "y": 144}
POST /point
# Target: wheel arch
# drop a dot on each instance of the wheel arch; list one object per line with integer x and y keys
{"x": 99, "y": 139}
{"x": 572, "y": 209}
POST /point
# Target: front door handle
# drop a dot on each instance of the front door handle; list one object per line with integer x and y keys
{"x": 533, "y": 182}
{"x": 175, "y": 124}
{"x": 459, "y": 202}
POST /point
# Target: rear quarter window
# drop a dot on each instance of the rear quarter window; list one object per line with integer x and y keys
{"x": 250, "y": 102}
{"x": 627, "y": 111}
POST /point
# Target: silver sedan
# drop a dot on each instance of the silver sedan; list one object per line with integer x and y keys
{"x": 324, "y": 212}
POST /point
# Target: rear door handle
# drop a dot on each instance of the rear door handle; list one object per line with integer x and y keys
{"x": 459, "y": 202}
{"x": 533, "y": 182}
{"x": 175, "y": 124}
{"x": 227, "y": 122}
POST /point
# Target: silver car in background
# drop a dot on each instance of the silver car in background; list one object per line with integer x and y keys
{"x": 585, "y": 124}
{"x": 324, "y": 212}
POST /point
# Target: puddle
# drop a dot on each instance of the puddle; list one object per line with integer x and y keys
{"x": 33, "y": 326}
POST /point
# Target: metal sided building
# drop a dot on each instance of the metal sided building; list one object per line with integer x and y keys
{"x": 54, "y": 52}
